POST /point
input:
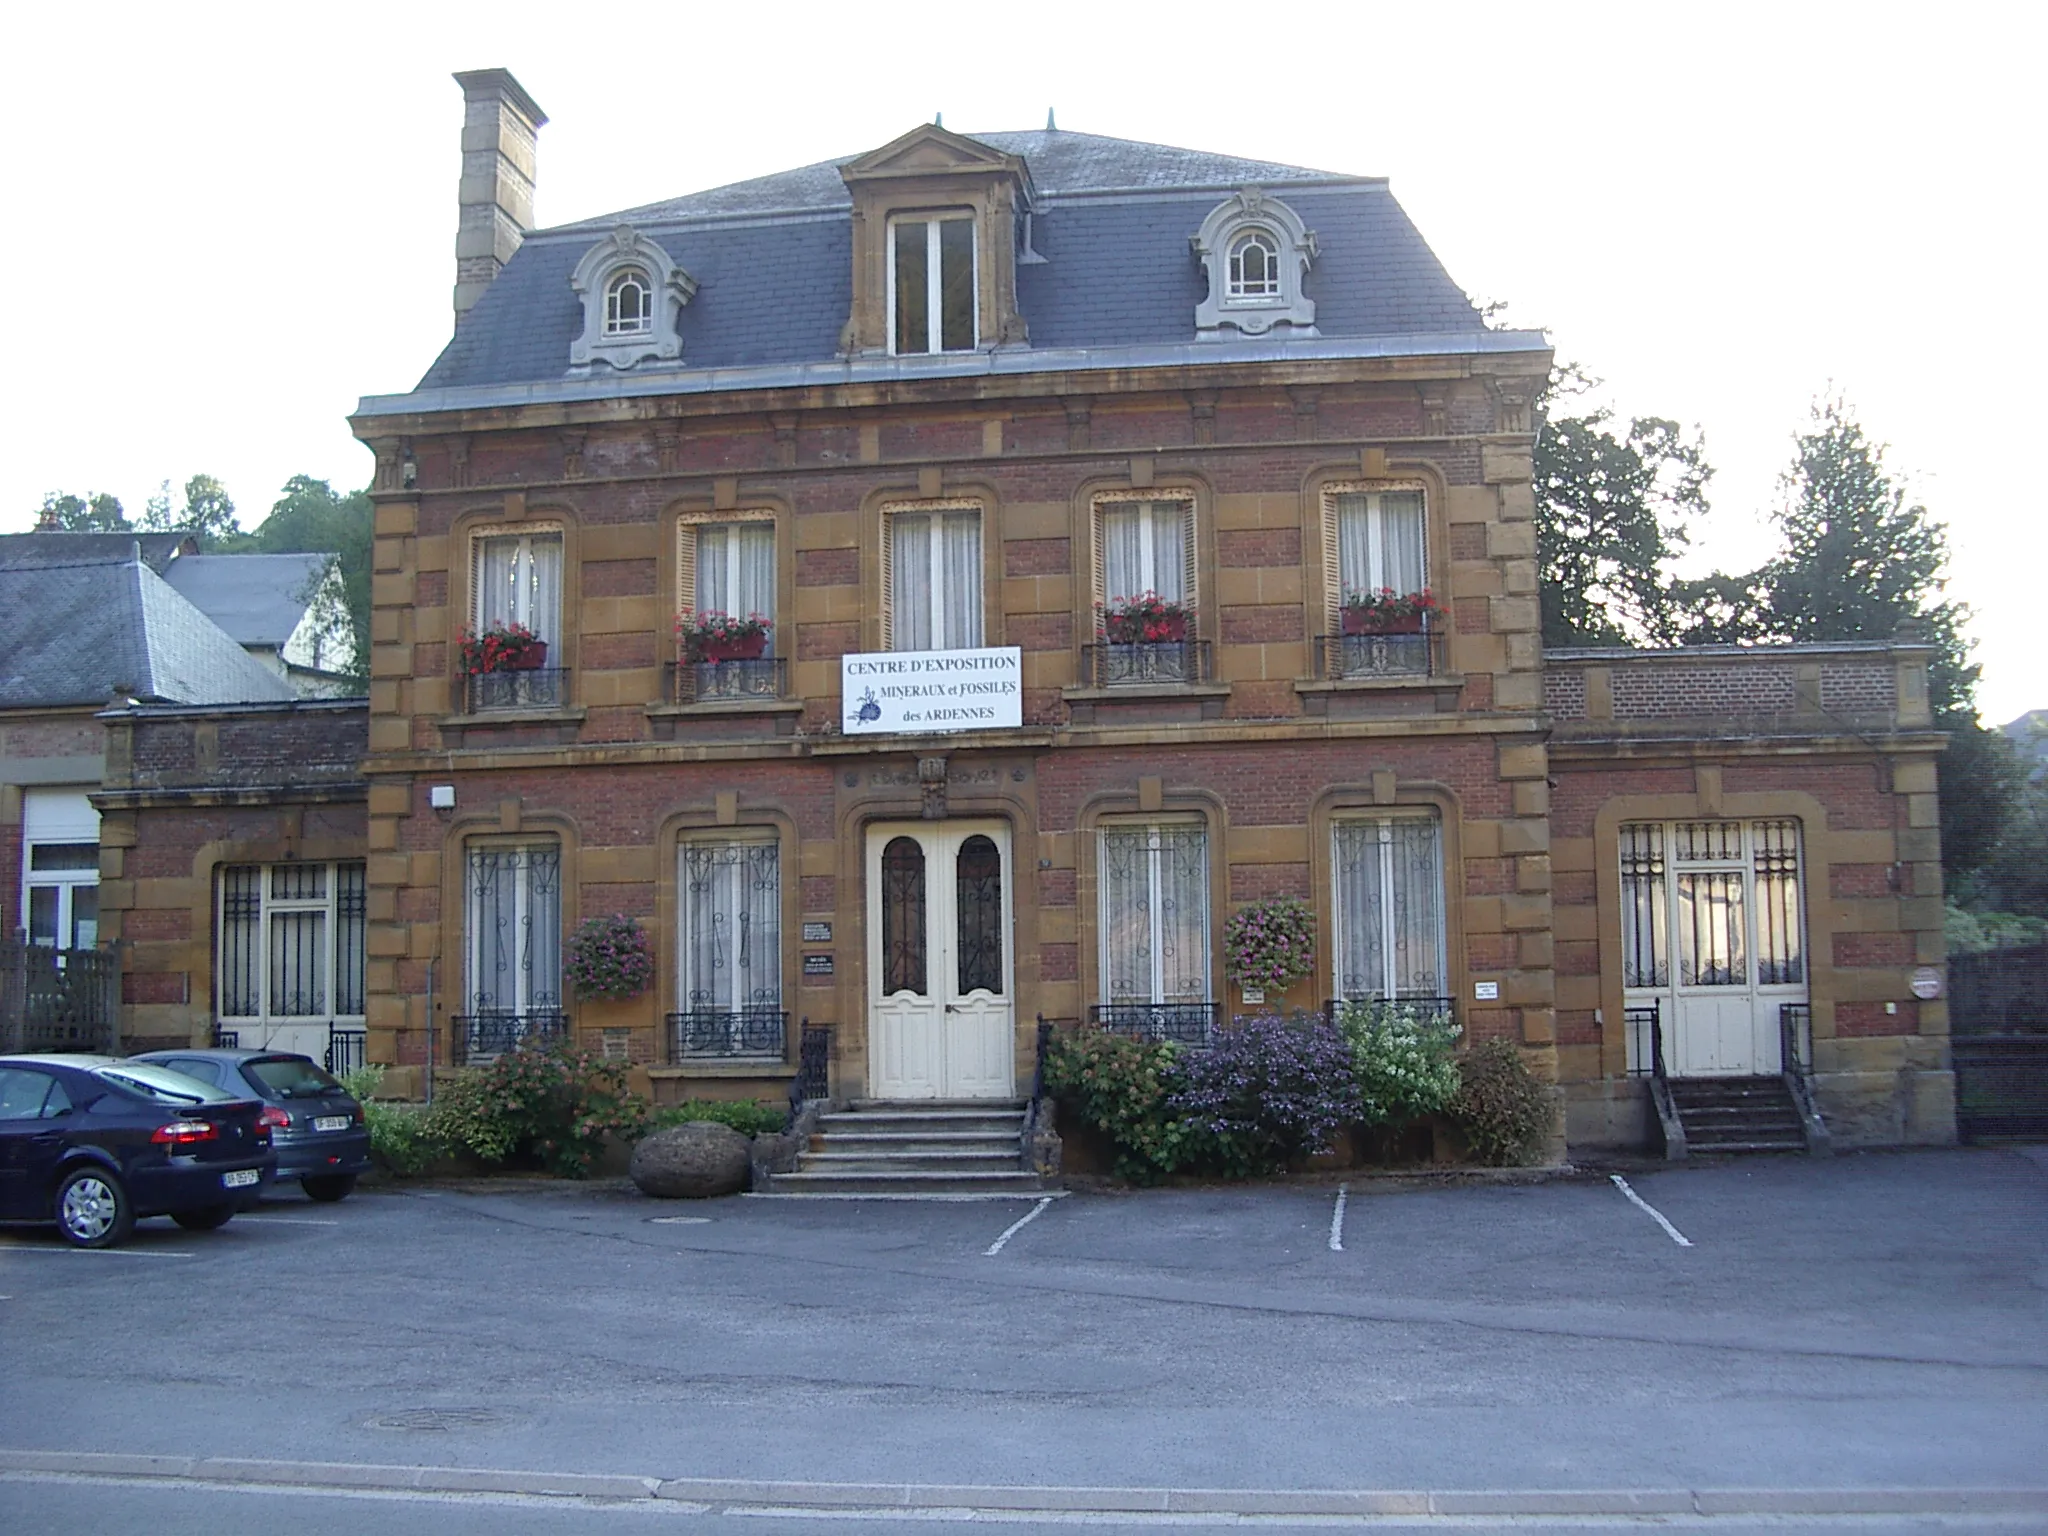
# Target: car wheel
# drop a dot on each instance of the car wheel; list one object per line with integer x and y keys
{"x": 93, "y": 1210}
{"x": 204, "y": 1221}
{"x": 333, "y": 1187}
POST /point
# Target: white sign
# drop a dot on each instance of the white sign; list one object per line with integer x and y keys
{"x": 928, "y": 691}
{"x": 1485, "y": 991}
{"x": 1926, "y": 983}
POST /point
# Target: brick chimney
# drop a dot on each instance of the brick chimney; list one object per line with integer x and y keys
{"x": 500, "y": 125}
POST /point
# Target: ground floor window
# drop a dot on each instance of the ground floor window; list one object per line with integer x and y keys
{"x": 1387, "y": 905}
{"x": 514, "y": 921}
{"x": 290, "y": 943}
{"x": 1155, "y": 913}
{"x": 60, "y": 868}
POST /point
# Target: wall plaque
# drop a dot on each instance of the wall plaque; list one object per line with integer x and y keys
{"x": 817, "y": 933}
{"x": 817, "y": 965}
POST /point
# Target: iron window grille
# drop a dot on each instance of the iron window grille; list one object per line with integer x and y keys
{"x": 718, "y": 682}
{"x": 529, "y": 688}
{"x": 757, "y": 1033}
{"x": 1146, "y": 663}
{"x": 1190, "y": 1024}
{"x": 289, "y": 944}
{"x": 481, "y": 1036}
{"x": 1349, "y": 658}
{"x": 514, "y": 911}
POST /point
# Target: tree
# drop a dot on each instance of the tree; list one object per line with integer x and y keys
{"x": 208, "y": 512}
{"x": 94, "y": 512}
{"x": 311, "y": 518}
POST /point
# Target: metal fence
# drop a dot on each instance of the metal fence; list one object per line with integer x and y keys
{"x": 750, "y": 1033}
{"x": 1998, "y": 1036}
{"x": 742, "y": 678}
{"x": 59, "y": 999}
{"x": 1190, "y": 1024}
{"x": 348, "y": 1050}
{"x": 1145, "y": 663}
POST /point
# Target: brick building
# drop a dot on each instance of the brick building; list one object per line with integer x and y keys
{"x": 935, "y": 413}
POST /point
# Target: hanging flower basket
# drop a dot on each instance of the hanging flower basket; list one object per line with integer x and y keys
{"x": 609, "y": 958}
{"x": 1147, "y": 619}
{"x": 1387, "y": 612}
{"x": 1270, "y": 944}
{"x": 713, "y": 636}
{"x": 502, "y": 647}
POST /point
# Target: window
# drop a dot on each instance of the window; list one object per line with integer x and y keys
{"x": 1255, "y": 267}
{"x": 290, "y": 945}
{"x": 934, "y": 579}
{"x": 1155, "y": 914}
{"x": 730, "y": 952}
{"x": 1387, "y": 905}
{"x": 1724, "y": 894}
{"x": 728, "y": 567}
{"x": 29, "y": 1095}
{"x": 1145, "y": 546}
{"x": 60, "y": 868}
{"x": 932, "y": 283}
{"x": 519, "y": 581}
{"x": 1381, "y": 542}
{"x": 514, "y": 919}
{"x": 629, "y": 304}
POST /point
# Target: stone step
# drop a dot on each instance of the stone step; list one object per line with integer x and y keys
{"x": 1771, "y": 1144}
{"x": 907, "y": 1182}
{"x": 835, "y": 1160}
{"x": 921, "y": 1125}
{"x": 892, "y": 1143}
{"x": 916, "y": 1106}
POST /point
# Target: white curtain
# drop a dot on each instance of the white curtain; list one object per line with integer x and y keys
{"x": 736, "y": 569}
{"x": 1380, "y": 542}
{"x": 519, "y": 581}
{"x": 1155, "y": 914}
{"x": 1144, "y": 550}
{"x": 732, "y": 926}
{"x": 515, "y": 929}
{"x": 936, "y": 596}
{"x": 1389, "y": 907}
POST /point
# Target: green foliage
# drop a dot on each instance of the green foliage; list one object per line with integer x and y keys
{"x": 400, "y": 1138}
{"x": 1270, "y": 944}
{"x": 94, "y": 512}
{"x": 553, "y": 1102}
{"x": 208, "y": 513}
{"x": 1403, "y": 1055}
{"x": 743, "y": 1115}
{"x": 1122, "y": 1087}
{"x": 1502, "y": 1110}
{"x": 1971, "y": 933}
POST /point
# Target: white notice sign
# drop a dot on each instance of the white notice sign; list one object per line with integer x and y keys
{"x": 921, "y": 691}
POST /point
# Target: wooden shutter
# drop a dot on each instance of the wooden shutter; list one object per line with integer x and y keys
{"x": 1098, "y": 594}
{"x": 1333, "y": 567}
{"x": 888, "y": 579}
{"x": 1190, "y": 592}
{"x": 686, "y": 570}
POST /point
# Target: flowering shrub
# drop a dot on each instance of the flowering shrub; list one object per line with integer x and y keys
{"x": 1502, "y": 1109}
{"x": 1121, "y": 1087}
{"x": 609, "y": 957}
{"x": 502, "y": 647}
{"x": 551, "y": 1102}
{"x": 1386, "y": 606}
{"x": 1273, "y": 1088}
{"x": 1148, "y": 617}
{"x": 1270, "y": 944}
{"x": 1402, "y": 1056}
{"x": 400, "y": 1139}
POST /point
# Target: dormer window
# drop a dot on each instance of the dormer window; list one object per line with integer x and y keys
{"x": 932, "y": 284}
{"x": 629, "y": 304}
{"x": 633, "y": 295}
{"x": 1255, "y": 267}
{"x": 1256, "y": 252}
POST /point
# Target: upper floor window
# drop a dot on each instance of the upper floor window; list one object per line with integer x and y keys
{"x": 1255, "y": 267}
{"x": 935, "y": 578}
{"x": 629, "y": 304}
{"x": 932, "y": 284}
{"x": 516, "y": 602}
{"x": 1145, "y": 546}
{"x": 727, "y": 568}
{"x": 1383, "y": 619}
{"x": 1256, "y": 252}
{"x": 1382, "y": 543}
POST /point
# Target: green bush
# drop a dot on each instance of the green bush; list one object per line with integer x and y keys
{"x": 552, "y": 1102}
{"x": 400, "y": 1138}
{"x": 1122, "y": 1088}
{"x": 743, "y": 1115}
{"x": 1501, "y": 1108}
{"x": 1403, "y": 1057}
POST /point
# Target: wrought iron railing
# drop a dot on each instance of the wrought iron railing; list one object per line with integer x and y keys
{"x": 529, "y": 688}
{"x": 227, "y": 1039}
{"x": 480, "y": 1036}
{"x": 1351, "y": 657}
{"x": 1795, "y": 1039}
{"x": 709, "y": 682}
{"x": 700, "y": 1033}
{"x": 1645, "y": 1024}
{"x": 1189, "y": 1024}
{"x": 1145, "y": 663}
{"x": 348, "y": 1050}
{"x": 1416, "y": 1004}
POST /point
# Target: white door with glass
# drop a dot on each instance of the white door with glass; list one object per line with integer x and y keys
{"x": 941, "y": 1017}
{"x": 289, "y": 954}
{"x": 1713, "y": 933}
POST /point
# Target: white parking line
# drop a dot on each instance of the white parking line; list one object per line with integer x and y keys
{"x": 286, "y": 1221}
{"x": 1337, "y": 1219}
{"x": 1017, "y": 1226}
{"x": 1656, "y": 1215}
{"x": 679, "y": 1221}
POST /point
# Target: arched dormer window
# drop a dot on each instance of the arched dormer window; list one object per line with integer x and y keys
{"x": 1256, "y": 252}
{"x": 633, "y": 295}
{"x": 629, "y": 304}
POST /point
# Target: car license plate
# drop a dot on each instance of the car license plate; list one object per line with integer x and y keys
{"x": 331, "y": 1122}
{"x": 240, "y": 1178}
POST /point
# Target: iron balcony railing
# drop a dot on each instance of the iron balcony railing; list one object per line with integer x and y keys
{"x": 1145, "y": 663}
{"x": 712, "y": 682}
{"x": 1417, "y": 1004}
{"x": 1189, "y": 1024}
{"x": 1350, "y": 658}
{"x": 348, "y": 1050}
{"x": 714, "y": 1033}
{"x": 1795, "y": 1039}
{"x": 530, "y": 688}
{"x": 1645, "y": 1025}
{"x": 480, "y": 1036}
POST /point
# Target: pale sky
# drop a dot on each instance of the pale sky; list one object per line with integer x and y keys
{"x": 225, "y": 223}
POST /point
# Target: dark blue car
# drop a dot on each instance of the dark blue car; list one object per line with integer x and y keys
{"x": 95, "y": 1144}
{"x": 315, "y": 1124}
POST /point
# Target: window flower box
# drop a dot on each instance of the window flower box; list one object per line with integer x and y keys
{"x": 1147, "y": 619}
{"x": 715, "y": 636}
{"x": 502, "y": 647}
{"x": 1387, "y": 612}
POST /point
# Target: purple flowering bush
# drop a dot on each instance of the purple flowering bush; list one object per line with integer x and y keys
{"x": 1271, "y": 1090}
{"x": 609, "y": 957}
{"x": 1270, "y": 944}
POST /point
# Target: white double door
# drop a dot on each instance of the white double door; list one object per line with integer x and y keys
{"x": 941, "y": 1015}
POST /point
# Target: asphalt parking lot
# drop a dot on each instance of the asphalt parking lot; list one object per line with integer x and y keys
{"x": 1876, "y": 1321}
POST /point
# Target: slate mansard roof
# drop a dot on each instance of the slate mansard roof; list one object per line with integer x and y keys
{"x": 1111, "y": 219}
{"x": 258, "y": 599}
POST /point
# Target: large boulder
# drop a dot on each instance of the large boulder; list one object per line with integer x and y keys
{"x": 691, "y": 1162}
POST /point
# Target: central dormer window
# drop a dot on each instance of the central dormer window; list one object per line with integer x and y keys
{"x": 932, "y": 284}
{"x": 629, "y": 304}
{"x": 1255, "y": 267}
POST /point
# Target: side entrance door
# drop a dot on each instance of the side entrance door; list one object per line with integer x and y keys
{"x": 940, "y": 1010}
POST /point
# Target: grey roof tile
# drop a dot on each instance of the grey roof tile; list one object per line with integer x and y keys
{"x": 48, "y": 548}
{"x": 257, "y": 599}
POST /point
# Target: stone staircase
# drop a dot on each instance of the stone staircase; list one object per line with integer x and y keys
{"x": 931, "y": 1148}
{"x": 1738, "y": 1114}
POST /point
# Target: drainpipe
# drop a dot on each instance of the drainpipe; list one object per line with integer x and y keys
{"x": 431, "y": 1031}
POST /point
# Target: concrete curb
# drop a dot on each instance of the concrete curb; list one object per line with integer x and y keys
{"x": 715, "y": 1493}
